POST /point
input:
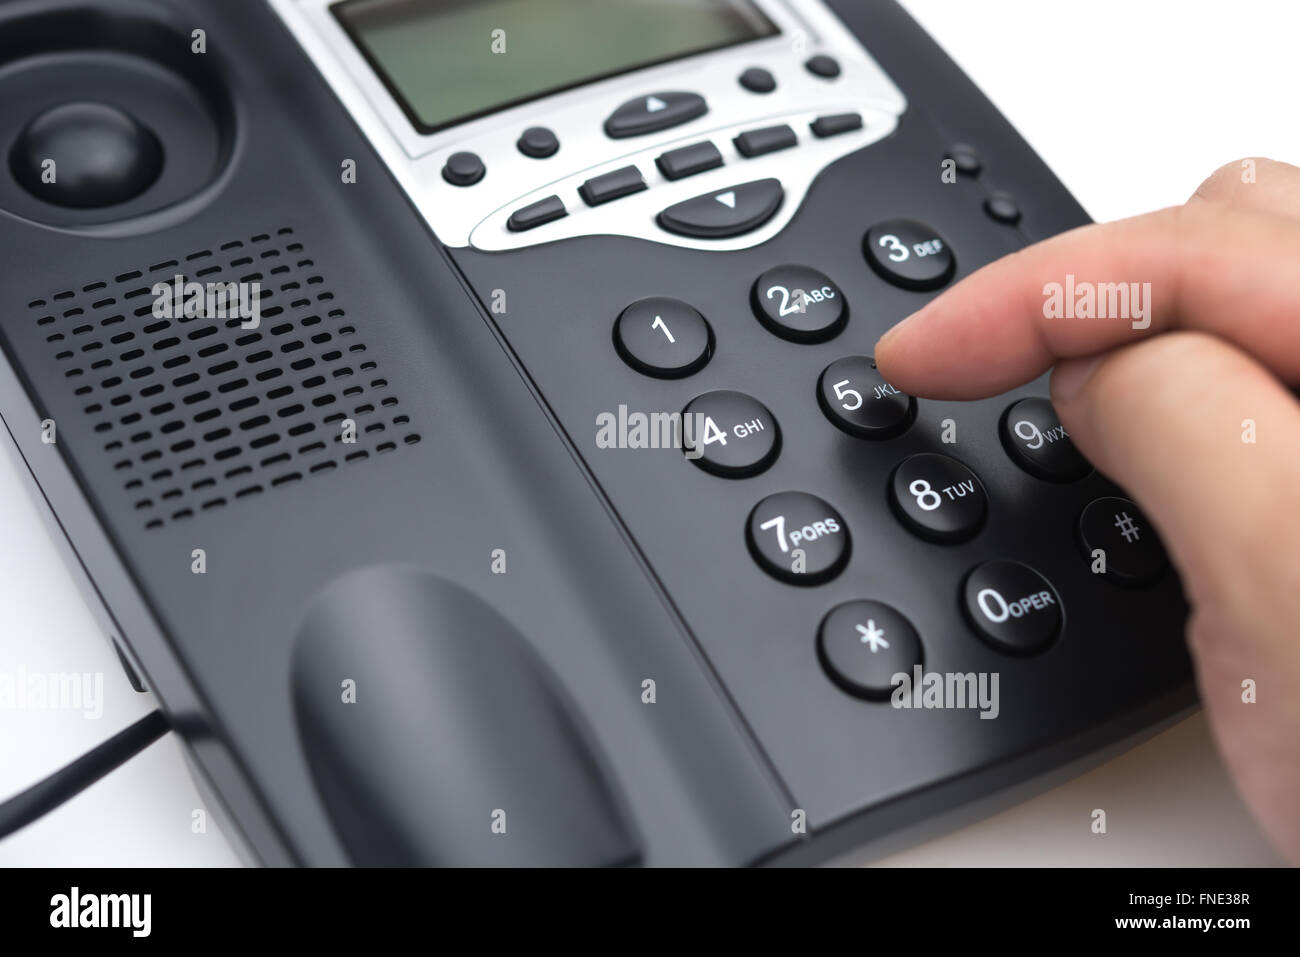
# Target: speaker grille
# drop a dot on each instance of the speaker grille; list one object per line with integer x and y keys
{"x": 197, "y": 413}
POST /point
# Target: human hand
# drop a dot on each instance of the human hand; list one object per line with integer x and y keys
{"x": 1191, "y": 415}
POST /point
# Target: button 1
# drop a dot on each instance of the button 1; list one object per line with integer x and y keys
{"x": 725, "y": 212}
{"x": 965, "y": 159}
{"x": 535, "y": 214}
{"x": 663, "y": 337}
{"x": 1129, "y": 545}
{"x": 908, "y": 254}
{"x": 863, "y": 644}
{"x": 758, "y": 80}
{"x": 799, "y": 303}
{"x": 538, "y": 142}
{"x": 938, "y": 497}
{"x": 835, "y": 123}
{"x": 614, "y": 185}
{"x": 1003, "y": 208}
{"x": 856, "y": 397}
{"x": 769, "y": 139}
{"x": 656, "y": 111}
{"x": 1012, "y": 607}
{"x": 826, "y": 67}
{"x": 463, "y": 169}
{"x": 730, "y": 434}
{"x": 1036, "y": 441}
{"x": 798, "y": 538}
{"x": 97, "y": 155}
{"x": 689, "y": 160}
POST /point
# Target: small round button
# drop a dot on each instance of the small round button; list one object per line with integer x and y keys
{"x": 1003, "y": 208}
{"x": 938, "y": 497}
{"x": 909, "y": 254}
{"x": 463, "y": 169}
{"x": 965, "y": 159}
{"x": 856, "y": 397}
{"x": 730, "y": 434}
{"x": 798, "y": 538}
{"x": 863, "y": 644}
{"x": 662, "y": 337}
{"x": 758, "y": 80}
{"x": 799, "y": 303}
{"x": 538, "y": 142}
{"x": 100, "y": 156}
{"x": 1012, "y": 607}
{"x": 1036, "y": 441}
{"x": 826, "y": 67}
{"x": 1128, "y": 544}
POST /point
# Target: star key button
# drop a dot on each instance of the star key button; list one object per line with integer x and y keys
{"x": 863, "y": 644}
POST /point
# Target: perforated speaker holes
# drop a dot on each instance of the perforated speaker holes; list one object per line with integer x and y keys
{"x": 197, "y": 413}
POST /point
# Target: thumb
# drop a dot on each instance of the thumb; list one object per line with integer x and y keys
{"x": 1208, "y": 442}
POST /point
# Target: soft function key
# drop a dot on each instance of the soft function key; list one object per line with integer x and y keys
{"x": 798, "y": 538}
{"x": 1012, "y": 607}
{"x": 938, "y": 497}
{"x": 654, "y": 111}
{"x": 1036, "y": 441}
{"x": 909, "y": 254}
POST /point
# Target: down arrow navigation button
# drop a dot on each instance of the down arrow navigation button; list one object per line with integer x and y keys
{"x": 725, "y": 212}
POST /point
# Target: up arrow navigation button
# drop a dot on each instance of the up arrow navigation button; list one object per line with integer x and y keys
{"x": 655, "y": 111}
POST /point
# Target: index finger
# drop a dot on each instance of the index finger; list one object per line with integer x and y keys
{"x": 1227, "y": 270}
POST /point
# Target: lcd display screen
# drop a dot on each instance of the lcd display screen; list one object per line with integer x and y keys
{"x": 447, "y": 61}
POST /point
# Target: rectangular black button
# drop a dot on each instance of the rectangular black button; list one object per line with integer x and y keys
{"x": 621, "y": 182}
{"x": 835, "y": 124}
{"x": 689, "y": 160}
{"x": 534, "y": 214}
{"x": 753, "y": 143}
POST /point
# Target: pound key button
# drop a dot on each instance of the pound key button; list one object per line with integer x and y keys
{"x": 798, "y": 538}
{"x": 1012, "y": 607}
{"x": 908, "y": 254}
{"x": 1128, "y": 544}
{"x": 938, "y": 497}
{"x": 730, "y": 434}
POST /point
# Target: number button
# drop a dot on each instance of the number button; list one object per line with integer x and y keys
{"x": 798, "y": 538}
{"x": 663, "y": 337}
{"x": 1128, "y": 546}
{"x": 863, "y": 644}
{"x": 1012, "y": 607}
{"x": 909, "y": 254}
{"x": 938, "y": 497}
{"x": 857, "y": 398}
{"x": 799, "y": 303}
{"x": 1036, "y": 441}
{"x": 730, "y": 434}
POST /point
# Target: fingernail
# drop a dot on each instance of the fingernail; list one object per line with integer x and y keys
{"x": 1071, "y": 375}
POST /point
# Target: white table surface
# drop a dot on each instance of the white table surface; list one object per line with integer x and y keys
{"x": 1132, "y": 103}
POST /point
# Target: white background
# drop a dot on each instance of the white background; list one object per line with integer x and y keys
{"x": 1132, "y": 103}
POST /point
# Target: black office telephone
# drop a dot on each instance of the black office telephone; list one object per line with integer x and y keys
{"x": 462, "y": 416}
